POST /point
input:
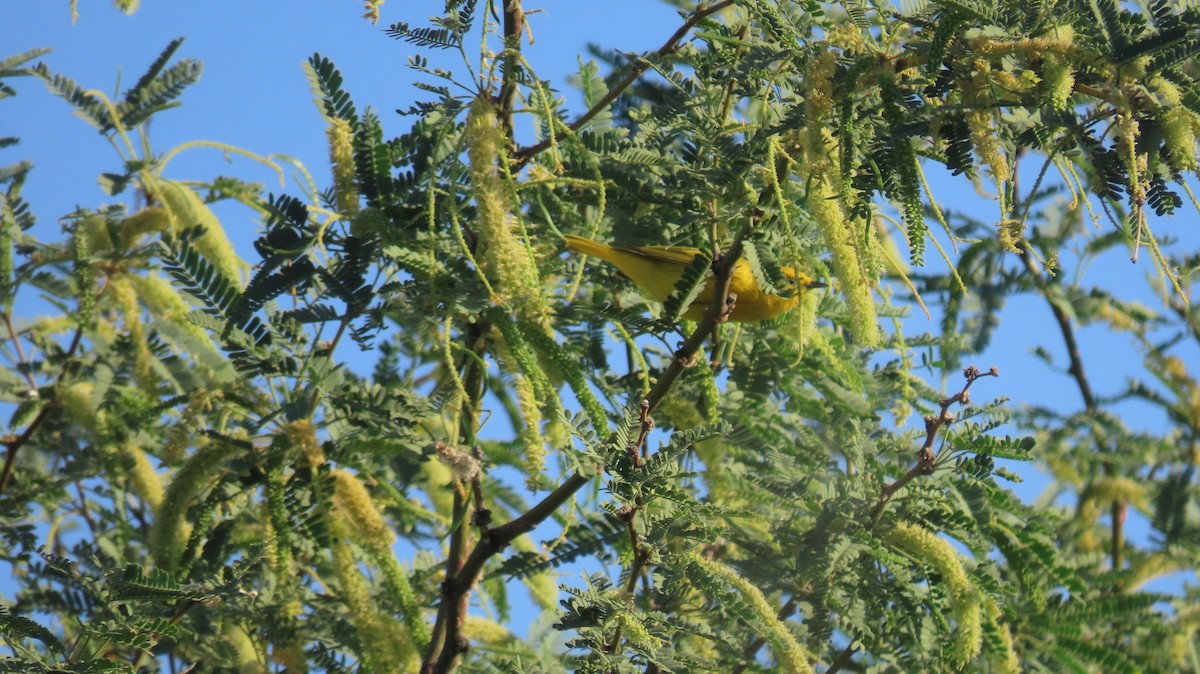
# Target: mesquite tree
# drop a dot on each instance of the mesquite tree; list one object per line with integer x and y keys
{"x": 193, "y": 480}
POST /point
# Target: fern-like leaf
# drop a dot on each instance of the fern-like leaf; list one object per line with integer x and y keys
{"x": 689, "y": 286}
{"x": 326, "y": 83}
{"x": 19, "y": 627}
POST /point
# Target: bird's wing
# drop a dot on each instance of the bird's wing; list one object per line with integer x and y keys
{"x": 681, "y": 255}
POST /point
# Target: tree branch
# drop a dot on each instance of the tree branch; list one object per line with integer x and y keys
{"x": 458, "y": 584}
{"x": 15, "y": 445}
{"x": 702, "y": 12}
{"x": 1117, "y": 511}
{"x": 841, "y": 660}
{"x": 446, "y": 642}
{"x": 514, "y": 27}
{"x": 927, "y": 461}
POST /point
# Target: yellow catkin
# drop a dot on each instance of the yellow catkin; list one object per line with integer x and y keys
{"x": 1127, "y": 129}
{"x": 163, "y": 300}
{"x": 556, "y": 433}
{"x": 341, "y": 157}
{"x": 303, "y": 436}
{"x": 1060, "y": 39}
{"x": 247, "y": 655}
{"x": 171, "y": 528}
{"x": 531, "y": 434}
{"x": 51, "y": 325}
{"x": 1175, "y": 368}
{"x": 76, "y": 401}
{"x": 352, "y": 499}
{"x": 186, "y": 210}
{"x": 400, "y": 593}
{"x": 506, "y": 259}
{"x": 1179, "y": 136}
{"x": 635, "y": 632}
{"x": 848, "y": 37}
{"x": 485, "y": 631}
{"x": 1058, "y": 81}
{"x": 982, "y": 123}
{"x": 965, "y": 603}
{"x": 291, "y": 656}
{"x": 820, "y": 146}
{"x": 1118, "y": 489}
{"x": 790, "y": 653}
{"x": 823, "y": 176}
{"x": 1118, "y": 319}
{"x": 94, "y": 226}
{"x": 371, "y": 10}
{"x": 146, "y": 482}
{"x": 189, "y": 418}
{"x": 1008, "y": 661}
{"x": 384, "y": 646}
{"x": 1010, "y": 234}
{"x": 1180, "y": 126}
{"x": 1151, "y": 567}
{"x": 165, "y": 303}
{"x": 678, "y": 412}
{"x": 802, "y": 323}
{"x": 1179, "y": 647}
{"x": 134, "y": 227}
{"x": 839, "y": 238}
{"x": 435, "y": 478}
{"x": 125, "y": 296}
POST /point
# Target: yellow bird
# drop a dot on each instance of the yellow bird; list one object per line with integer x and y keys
{"x": 655, "y": 269}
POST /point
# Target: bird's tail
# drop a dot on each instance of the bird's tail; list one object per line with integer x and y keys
{"x": 589, "y": 247}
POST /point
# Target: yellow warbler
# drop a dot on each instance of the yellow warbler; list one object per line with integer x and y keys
{"x": 656, "y": 269}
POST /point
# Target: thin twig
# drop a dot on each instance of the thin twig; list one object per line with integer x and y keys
{"x": 14, "y": 446}
{"x": 841, "y": 660}
{"x": 702, "y": 12}
{"x": 21, "y": 359}
{"x": 927, "y": 460}
{"x": 629, "y": 515}
{"x": 1117, "y": 511}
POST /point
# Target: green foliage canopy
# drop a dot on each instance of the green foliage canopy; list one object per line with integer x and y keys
{"x": 192, "y": 478}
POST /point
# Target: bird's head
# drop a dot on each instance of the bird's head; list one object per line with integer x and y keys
{"x": 798, "y": 282}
